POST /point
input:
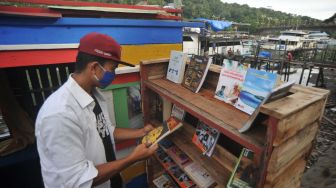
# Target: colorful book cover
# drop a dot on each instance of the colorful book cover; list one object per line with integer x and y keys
{"x": 230, "y": 81}
{"x": 178, "y": 112}
{"x": 166, "y": 161}
{"x": 166, "y": 144}
{"x": 256, "y": 86}
{"x": 196, "y": 72}
{"x": 199, "y": 175}
{"x": 164, "y": 181}
{"x": 157, "y": 134}
{"x": 205, "y": 138}
{"x": 244, "y": 172}
{"x": 176, "y": 66}
{"x": 181, "y": 177}
{"x": 177, "y": 155}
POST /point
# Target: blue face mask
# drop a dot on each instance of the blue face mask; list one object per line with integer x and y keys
{"x": 108, "y": 77}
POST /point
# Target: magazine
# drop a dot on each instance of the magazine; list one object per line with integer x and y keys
{"x": 173, "y": 169}
{"x": 177, "y": 155}
{"x": 166, "y": 161}
{"x": 256, "y": 87}
{"x": 244, "y": 172}
{"x": 178, "y": 112}
{"x": 174, "y": 152}
{"x": 176, "y": 66}
{"x": 164, "y": 181}
{"x": 230, "y": 81}
{"x": 157, "y": 134}
{"x": 181, "y": 177}
{"x": 199, "y": 175}
{"x": 276, "y": 93}
{"x": 196, "y": 72}
{"x": 205, "y": 138}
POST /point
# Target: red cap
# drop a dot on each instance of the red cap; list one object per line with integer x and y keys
{"x": 101, "y": 45}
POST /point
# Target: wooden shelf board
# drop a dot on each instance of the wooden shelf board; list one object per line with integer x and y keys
{"x": 213, "y": 112}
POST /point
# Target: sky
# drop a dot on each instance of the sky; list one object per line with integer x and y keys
{"x": 319, "y": 9}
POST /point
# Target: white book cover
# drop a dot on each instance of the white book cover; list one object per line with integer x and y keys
{"x": 164, "y": 181}
{"x": 230, "y": 81}
{"x": 178, "y": 112}
{"x": 176, "y": 67}
{"x": 199, "y": 175}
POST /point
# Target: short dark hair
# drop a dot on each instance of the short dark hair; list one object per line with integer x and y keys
{"x": 83, "y": 59}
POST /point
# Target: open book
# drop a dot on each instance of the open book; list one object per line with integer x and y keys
{"x": 276, "y": 93}
{"x": 157, "y": 134}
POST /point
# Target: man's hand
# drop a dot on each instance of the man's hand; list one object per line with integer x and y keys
{"x": 147, "y": 128}
{"x": 143, "y": 151}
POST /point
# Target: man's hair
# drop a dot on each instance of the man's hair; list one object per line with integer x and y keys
{"x": 83, "y": 59}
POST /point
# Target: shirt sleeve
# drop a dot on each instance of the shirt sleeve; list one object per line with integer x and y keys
{"x": 63, "y": 145}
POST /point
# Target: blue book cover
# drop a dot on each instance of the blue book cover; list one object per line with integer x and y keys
{"x": 256, "y": 87}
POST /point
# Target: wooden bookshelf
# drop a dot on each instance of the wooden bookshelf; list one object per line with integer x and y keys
{"x": 281, "y": 139}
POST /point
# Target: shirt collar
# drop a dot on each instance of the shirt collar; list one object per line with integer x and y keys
{"x": 81, "y": 96}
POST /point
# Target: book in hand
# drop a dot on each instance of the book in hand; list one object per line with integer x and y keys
{"x": 178, "y": 112}
{"x": 158, "y": 133}
{"x": 275, "y": 94}
{"x": 244, "y": 172}
{"x": 230, "y": 81}
{"x": 196, "y": 72}
{"x": 205, "y": 138}
{"x": 176, "y": 66}
{"x": 164, "y": 181}
{"x": 199, "y": 175}
{"x": 256, "y": 87}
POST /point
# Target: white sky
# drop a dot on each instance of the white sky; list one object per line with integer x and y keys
{"x": 319, "y": 9}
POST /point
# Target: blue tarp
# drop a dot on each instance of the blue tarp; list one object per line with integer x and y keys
{"x": 216, "y": 25}
{"x": 265, "y": 54}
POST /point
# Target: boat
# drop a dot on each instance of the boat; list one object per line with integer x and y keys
{"x": 289, "y": 41}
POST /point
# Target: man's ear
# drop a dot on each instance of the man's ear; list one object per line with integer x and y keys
{"x": 92, "y": 66}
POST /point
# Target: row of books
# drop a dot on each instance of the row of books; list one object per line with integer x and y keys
{"x": 243, "y": 175}
{"x": 238, "y": 84}
{"x": 178, "y": 164}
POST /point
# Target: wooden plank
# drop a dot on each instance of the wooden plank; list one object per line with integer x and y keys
{"x": 97, "y": 4}
{"x": 271, "y": 177}
{"x": 155, "y": 61}
{"x": 130, "y": 53}
{"x": 166, "y": 108}
{"x": 292, "y": 124}
{"x": 289, "y": 105}
{"x": 290, "y": 178}
{"x": 154, "y": 169}
{"x": 287, "y": 151}
{"x": 182, "y": 139}
{"x": 310, "y": 90}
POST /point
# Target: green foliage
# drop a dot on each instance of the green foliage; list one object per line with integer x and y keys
{"x": 215, "y": 9}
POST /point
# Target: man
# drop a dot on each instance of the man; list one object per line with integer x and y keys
{"x": 75, "y": 138}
